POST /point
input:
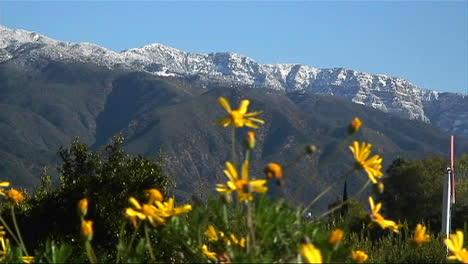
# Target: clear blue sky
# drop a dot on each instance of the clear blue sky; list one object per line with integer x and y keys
{"x": 424, "y": 42}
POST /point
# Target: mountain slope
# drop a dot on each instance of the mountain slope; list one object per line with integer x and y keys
{"x": 388, "y": 94}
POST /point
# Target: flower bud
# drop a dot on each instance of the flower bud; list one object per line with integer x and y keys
{"x": 87, "y": 229}
{"x": 83, "y": 206}
{"x": 251, "y": 140}
{"x": 273, "y": 171}
{"x": 15, "y": 196}
{"x": 354, "y": 126}
{"x": 336, "y": 236}
{"x": 311, "y": 149}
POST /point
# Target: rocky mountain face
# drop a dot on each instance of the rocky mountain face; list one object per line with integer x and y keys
{"x": 388, "y": 94}
{"x": 393, "y": 95}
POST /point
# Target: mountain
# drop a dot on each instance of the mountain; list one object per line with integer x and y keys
{"x": 388, "y": 94}
{"x": 52, "y": 91}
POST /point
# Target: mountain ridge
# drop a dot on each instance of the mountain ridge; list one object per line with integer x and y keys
{"x": 388, "y": 94}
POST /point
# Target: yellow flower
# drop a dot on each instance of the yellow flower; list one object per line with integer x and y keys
{"x": 4, "y": 243}
{"x": 243, "y": 185}
{"x": 355, "y": 125}
{"x": 455, "y": 245}
{"x": 210, "y": 254}
{"x": 168, "y": 208}
{"x": 420, "y": 236}
{"x": 372, "y": 166}
{"x": 251, "y": 139}
{"x": 379, "y": 219}
{"x": 360, "y": 256}
{"x": 87, "y": 229}
{"x": 154, "y": 195}
{"x": 143, "y": 212}
{"x": 240, "y": 117}
{"x": 336, "y": 236}
{"x": 3, "y": 184}
{"x": 241, "y": 242}
{"x": 15, "y": 196}
{"x": 213, "y": 234}
{"x": 311, "y": 253}
{"x": 28, "y": 259}
{"x": 83, "y": 206}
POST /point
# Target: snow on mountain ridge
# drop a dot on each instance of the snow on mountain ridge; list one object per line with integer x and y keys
{"x": 388, "y": 94}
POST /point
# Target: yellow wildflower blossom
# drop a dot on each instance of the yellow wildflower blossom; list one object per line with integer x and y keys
{"x": 336, "y": 236}
{"x": 359, "y": 256}
{"x": 372, "y": 166}
{"x": 210, "y": 254}
{"x": 240, "y": 117}
{"x": 15, "y": 196}
{"x": 4, "y": 243}
{"x": 379, "y": 219}
{"x": 213, "y": 234}
{"x": 241, "y": 242}
{"x": 420, "y": 236}
{"x": 3, "y": 184}
{"x": 143, "y": 212}
{"x": 243, "y": 185}
{"x": 311, "y": 253}
{"x": 455, "y": 245}
{"x": 168, "y": 208}
{"x": 28, "y": 259}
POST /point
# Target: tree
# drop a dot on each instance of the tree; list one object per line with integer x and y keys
{"x": 106, "y": 178}
{"x": 413, "y": 191}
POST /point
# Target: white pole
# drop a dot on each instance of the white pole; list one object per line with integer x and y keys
{"x": 446, "y": 204}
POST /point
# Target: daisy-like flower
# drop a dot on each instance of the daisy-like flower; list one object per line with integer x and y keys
{"x": 210, "y": 254}
{"x": 169, "y": 209}
{"x": 372, "y": 166}
{"x": 420, "y": 236}
{"x": 144, "y": 212}
{"x": 311, "y": 253}
{"x": 359, "y": 256}
{"x": 239, "y": 117}
{"x": 243, "y": 185}
{"x": 355, "y": 125}
{"x": 336, "y": 236}
{"x": 379, "y": 219}
{"x": 455, "y": 245}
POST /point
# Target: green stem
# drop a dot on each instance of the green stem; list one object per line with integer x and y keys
{"x": 336, "y": 152}
{"x": 9, "y": 230}
{"x": 342, "y": 179}
{"x": 90, "y": 252}
{"x": 148, "y": 244}
{"x": 119, "y": 249}
{"x": 233, "y": 146}
{"x": 247, "y": 155}
{"x": 347, "y": 201}
{"x": 251, "y": 226}
{"x": 18, "y": 231}
{"x": 132, "y": 238}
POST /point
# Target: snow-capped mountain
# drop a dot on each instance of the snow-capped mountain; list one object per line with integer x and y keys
{"x": 449, "y": 111}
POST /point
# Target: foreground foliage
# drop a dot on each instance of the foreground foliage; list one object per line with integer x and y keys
{"x": 114, "y": 207}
